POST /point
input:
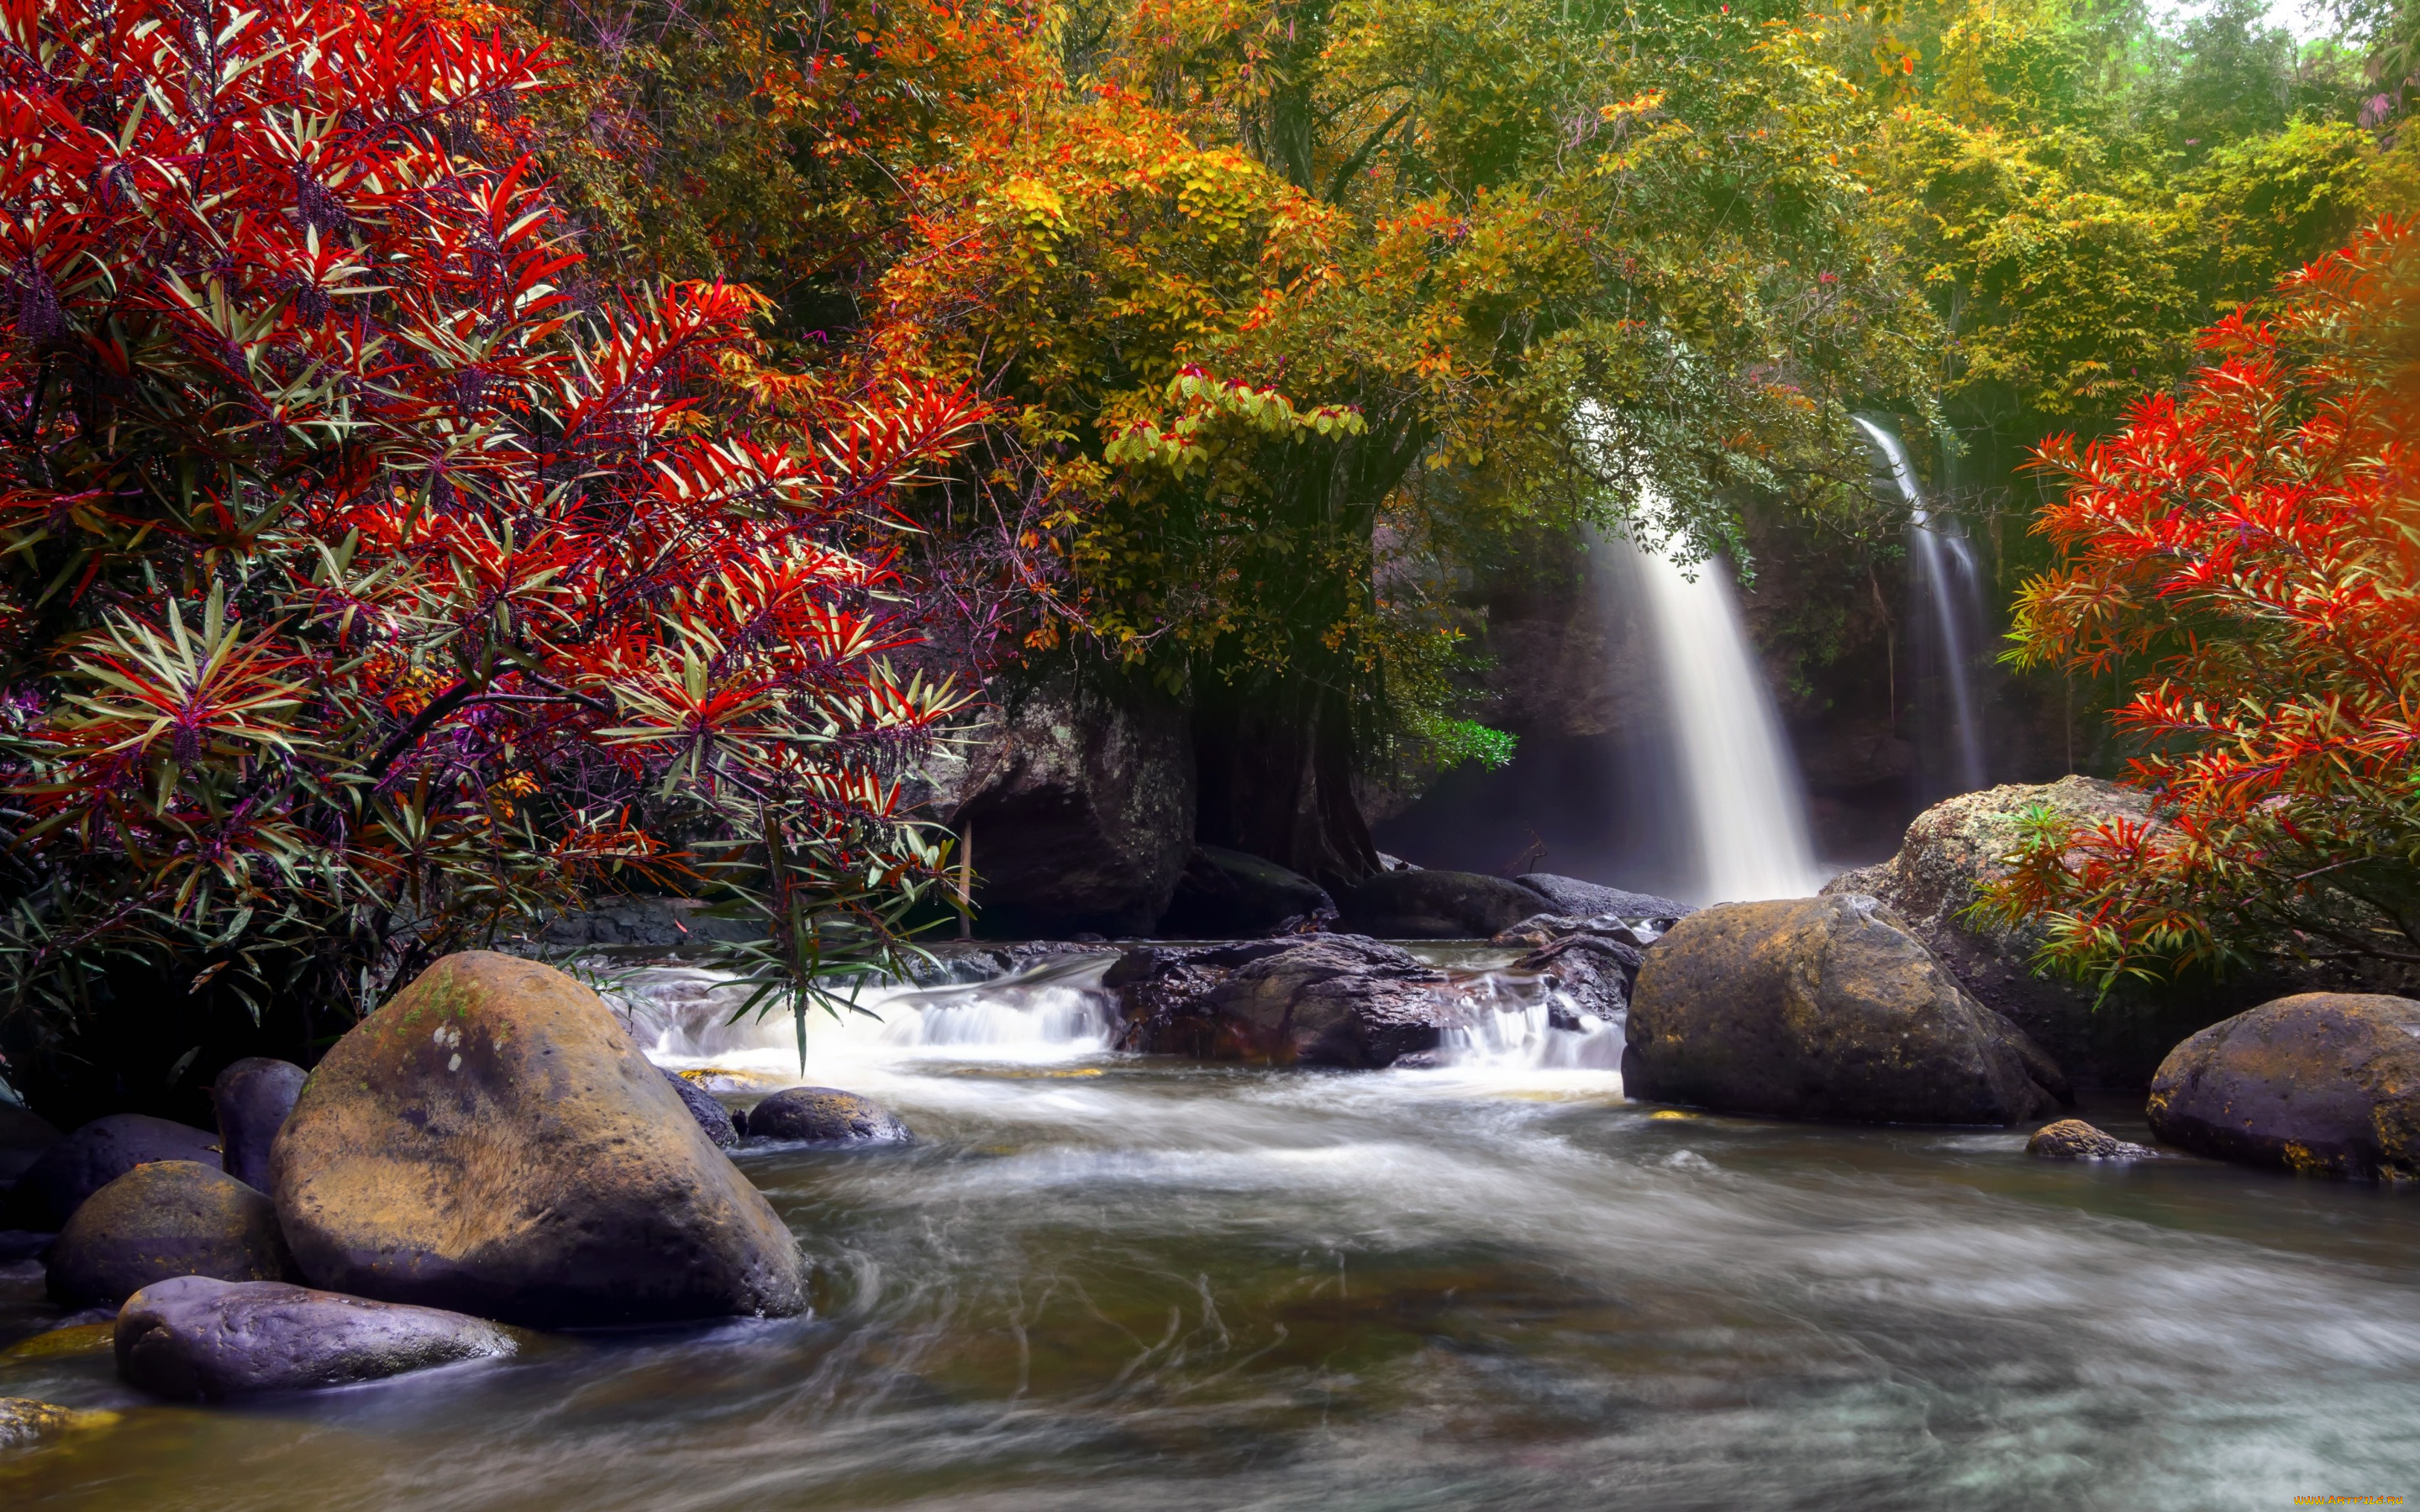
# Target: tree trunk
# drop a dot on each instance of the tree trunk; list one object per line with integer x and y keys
{"x": 1276, "y": 760}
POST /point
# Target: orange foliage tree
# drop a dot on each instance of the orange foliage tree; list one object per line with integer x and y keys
{"x": 2250, "y": 550}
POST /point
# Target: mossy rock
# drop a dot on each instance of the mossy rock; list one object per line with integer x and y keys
{"x": 169, "y": 1218}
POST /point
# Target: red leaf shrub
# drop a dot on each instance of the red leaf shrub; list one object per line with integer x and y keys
{"x": 2255, "y": 546}
{"x": 370, "y": 580}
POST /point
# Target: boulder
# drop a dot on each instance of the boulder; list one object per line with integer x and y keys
{"x": 253, "y": 1097}
{"x": 1593, "y": 970}
{"x": 24, "y": 1421}
{"x": 1951, "y": 849}
{"x": 1324, "y": 1000}
{"x": 491, "y": 1141}
{"x": 826, "y": 1116}
{"x": 1079, "y": 793}
{"x": 1437, "y": 905}
{"x": 1824, "y": 1007}
{"x": 24, "y": 1139}
{"x": 168, "y": 1218}
{"x": 1570, "y": 895}
{"x": 99, "y": 1153}
{"x": 2074, "y": 1139}
{"x": 1225, "y": 894}
{"x": 711, "y": 1116}
{"x": 196, "y": 1339}
{"x": 2324, "y": 1083}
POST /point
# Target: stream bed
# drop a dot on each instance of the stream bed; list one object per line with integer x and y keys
{"x": 1101, "y": 1281}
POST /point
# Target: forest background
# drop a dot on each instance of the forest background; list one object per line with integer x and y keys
{"x": 1205, "y": 346}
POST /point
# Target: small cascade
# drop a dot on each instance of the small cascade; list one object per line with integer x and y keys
{"x": 1941, "y": 572}
{"x": 1056, "y": 1012}
{"x": 1747, "y": 813}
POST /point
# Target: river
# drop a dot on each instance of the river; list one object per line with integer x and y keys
{"x": 1100, "y": 1281}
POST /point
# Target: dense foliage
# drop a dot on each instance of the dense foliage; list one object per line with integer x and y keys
{"x": 2249, "y": 554}
{"x": 374, "y": 580}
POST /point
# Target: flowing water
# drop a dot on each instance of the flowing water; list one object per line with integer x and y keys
{"x": 1952, "y": 624}
{"x": 1747, "y": 811}
{"x": 1107, "y": 1282}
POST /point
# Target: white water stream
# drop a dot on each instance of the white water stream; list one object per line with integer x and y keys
{"x": 1945, "y": 575}
{"x": 1747, "y": 811}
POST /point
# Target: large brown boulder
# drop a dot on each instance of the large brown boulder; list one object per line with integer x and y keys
{"x": 1326, "y": 1000}
{"x": 1824, "y": 1007}
{"x": 169, "y": 1218}
{"x": 1954, "y": 848}
{"x": 2320, "y": 1082}
{"x": 492, "y": 1142}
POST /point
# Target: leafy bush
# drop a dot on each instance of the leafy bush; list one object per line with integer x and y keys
{"x": 372, "y": 581}
{"x": 2251, "y": 552}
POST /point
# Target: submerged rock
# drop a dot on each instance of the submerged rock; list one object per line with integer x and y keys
{"x": 1224, "y": 893}
{"x": 2324, "y": 1083}
{"x": 492, "y": 1142}
{"x": 168, "y": 1218}
{"x": 1589, "y": 899}
{"x": 195, "y": 1339}
{"x": 1824, "y": 1007}
{"x": 1438, "y": 905}
{"x": 253, "y": 1097}
{"x": 24, "y": 1421}
{"x": 711, "y": 1116}
{"x": 56, "y": 1185}
{"x": 1324, "y": 1000}
{"x": 2074, "y": 1139}
{"x": 826, "y": 1116}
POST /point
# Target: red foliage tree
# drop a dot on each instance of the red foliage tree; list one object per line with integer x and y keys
{"x": 2253, "y": 548}
{"x": 371, "y": 580}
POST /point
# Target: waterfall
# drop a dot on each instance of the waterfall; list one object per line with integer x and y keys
{"x": 1746, "y": 816}
{"x": 1943, "y": 571}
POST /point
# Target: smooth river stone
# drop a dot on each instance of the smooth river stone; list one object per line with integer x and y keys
{"x": 195, "y": 1339}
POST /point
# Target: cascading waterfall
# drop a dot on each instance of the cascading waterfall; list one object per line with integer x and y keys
{"x": 1945, "y": 577}
{"x": 1739, "y": 782}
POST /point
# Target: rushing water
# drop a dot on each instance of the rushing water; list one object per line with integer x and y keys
{"x": 1747, "y": 813}
{"x": 1107, "y": 1282}
{"x": 1945, "y": 575}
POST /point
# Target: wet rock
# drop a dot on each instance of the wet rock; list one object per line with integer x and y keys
{"x": 2324, "y": 1083}
{"x": 253, "y": 1097}
{"x": 1324, "y": 1000}
{"x": 24, "y": 1139}
{"x": 24, "y": 1421}
{"x": 1437, "y": 905}
{"x": 1824, "y": 1007}
{"x": 664, "y": 923}
{"x": 826, "y": 1116}
{"x": 1588, "y": 900}
{"x": 1227, "y": 894}
{"x": 1955, "y": 847}
{"x": 711, "y": 1116}
{"x": 964, "y": 963}
{"x": 99, "y": 1153}
{"x": 492, "y": 1142}
{"x": 167, "y": 1218}
{"x": 1080, "y": 794}
{"x": 1594, "y": 971}
{"x": 2074, "y": 1139}
{"x": 195, "y": 1339}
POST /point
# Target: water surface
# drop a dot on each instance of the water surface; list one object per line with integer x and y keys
{"x": 1100, "y": 1281}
